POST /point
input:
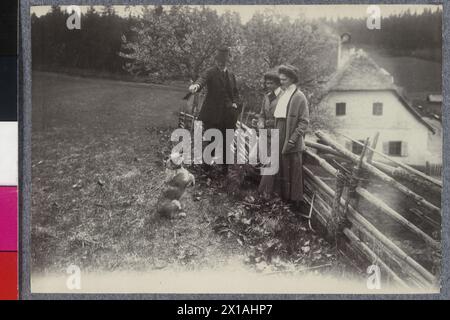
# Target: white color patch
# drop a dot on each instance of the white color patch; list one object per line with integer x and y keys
{"x": 8, "y": 153}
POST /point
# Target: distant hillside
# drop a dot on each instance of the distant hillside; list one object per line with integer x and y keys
{"x": 408, "y": 33}
{"x": 413, "y": 74}
{"x": 418, "y": 77}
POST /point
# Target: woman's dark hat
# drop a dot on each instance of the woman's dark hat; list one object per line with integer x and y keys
{"x": 273, "y": 76}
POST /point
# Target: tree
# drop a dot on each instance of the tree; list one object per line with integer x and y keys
{"x": 177, "y": 43}
{"x": 270, "y": 40}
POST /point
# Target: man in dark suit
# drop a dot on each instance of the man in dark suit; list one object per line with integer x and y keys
{"x": 220, "y": 108}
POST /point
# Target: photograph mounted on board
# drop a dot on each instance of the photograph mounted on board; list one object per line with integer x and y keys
{"x": 236, "y": 149}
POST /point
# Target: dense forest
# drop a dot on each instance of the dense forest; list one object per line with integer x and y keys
{"x": 408, "y": 34}
{"x": 95, "y": 46}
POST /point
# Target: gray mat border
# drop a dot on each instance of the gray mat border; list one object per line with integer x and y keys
{"x": 25, "y": 160}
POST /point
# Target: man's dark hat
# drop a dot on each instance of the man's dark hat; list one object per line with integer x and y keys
{"x": 223, "y": 49}
{"x": 222, "y": 52}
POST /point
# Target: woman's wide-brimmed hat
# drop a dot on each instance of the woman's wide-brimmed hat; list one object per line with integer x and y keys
{"x": 289, "y": 71}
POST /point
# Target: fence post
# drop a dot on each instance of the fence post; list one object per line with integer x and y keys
{"x": 373, "y": 146}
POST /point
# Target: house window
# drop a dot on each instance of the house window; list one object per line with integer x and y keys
{"x": 377, "y": 109}
{"x": 396, "y": 148}
{"x": 341, "y": 109}
{"x": 357, "y": 148}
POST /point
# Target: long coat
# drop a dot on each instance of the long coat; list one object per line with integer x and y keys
{"x": 222, "y": 92}
{"x": 297, "y": 121}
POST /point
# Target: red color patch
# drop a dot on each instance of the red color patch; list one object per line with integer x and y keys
{"x": 8, "y": 276}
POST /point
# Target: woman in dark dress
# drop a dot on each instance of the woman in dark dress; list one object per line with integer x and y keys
{"x": 267, "y": 121}
{"x": 292, "y": 120}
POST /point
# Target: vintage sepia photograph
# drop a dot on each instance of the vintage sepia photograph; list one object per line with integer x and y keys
{"x": 243, "y": 149}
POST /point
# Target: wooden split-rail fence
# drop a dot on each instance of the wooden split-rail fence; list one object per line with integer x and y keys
{"x": 376, "y": 212}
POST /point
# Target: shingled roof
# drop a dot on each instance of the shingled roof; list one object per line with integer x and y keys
{"x": 361, "y": 73}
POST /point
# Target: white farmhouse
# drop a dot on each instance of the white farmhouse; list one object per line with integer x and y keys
{"x": 362, "y": 99}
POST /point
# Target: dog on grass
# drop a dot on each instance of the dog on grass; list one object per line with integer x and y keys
{"x": 178, "y": 179}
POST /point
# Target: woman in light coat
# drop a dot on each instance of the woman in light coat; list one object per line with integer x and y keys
{"x": 292, "y": 120}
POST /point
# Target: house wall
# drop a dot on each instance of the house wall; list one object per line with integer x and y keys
{"x": 395, "y": 124}
{"x": 435, "y": 141}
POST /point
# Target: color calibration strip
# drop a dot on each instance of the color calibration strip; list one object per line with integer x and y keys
{"x": 8, "y": 151}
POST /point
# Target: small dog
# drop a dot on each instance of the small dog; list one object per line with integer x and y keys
{"x": 177, "y": 180}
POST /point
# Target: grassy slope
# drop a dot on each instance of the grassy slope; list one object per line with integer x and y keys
{"x": 96, "y": 170}
{"x": 97, "y": 148}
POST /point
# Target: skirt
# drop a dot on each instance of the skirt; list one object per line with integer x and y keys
{"x": 288, "y": 182}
